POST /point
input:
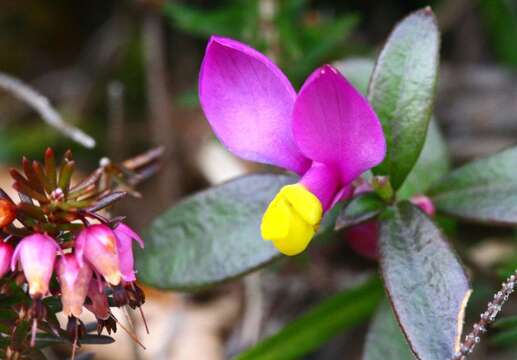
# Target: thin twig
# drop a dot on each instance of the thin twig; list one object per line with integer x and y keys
{"x": 486, "y": 318}
{"x": 41, "y": 104}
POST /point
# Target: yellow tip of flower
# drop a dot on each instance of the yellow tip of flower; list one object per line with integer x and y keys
{"x": 113, "y": 277}
{"x": 292, "y": 219}
{"x": 37, "y": 287}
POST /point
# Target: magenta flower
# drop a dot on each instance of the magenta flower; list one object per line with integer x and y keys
{"x": 125, "y": 236}
{"x": 328, "y": 133}
{"x": 98, "y": 244}
{"x": 74, "y": 281}
{"x": 37, "y": 254}
{"x": 6, "y": 254}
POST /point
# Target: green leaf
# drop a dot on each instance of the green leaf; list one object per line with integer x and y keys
{"x": 314, "y": 328}
{"x": 212, "y": 236}
{"x": 322, "y": 40}
{"x": 402, "y": 90}
{"x": 232, "y": 20}
{"x": 385, "y": 340}
{"x": 484, "y": 190}
{"x": 432, "y": 165}
{"x": 357, "y": 71}
{"x": 360, "y": 209}
{"x": 425, "y": 281}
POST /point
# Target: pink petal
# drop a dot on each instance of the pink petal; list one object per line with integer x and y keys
{"x": 79, "y": 247}
{"x": 248, "y": 101}
{"x": 123, "y": 228}
{"x": 125, "y": 255}
{"x": 6, "y": 253}
{"x": 334, "y": 124}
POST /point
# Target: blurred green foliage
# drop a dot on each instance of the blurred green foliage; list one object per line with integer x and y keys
{"x": 500, "y": 17}
{"x": 297, "y": 37}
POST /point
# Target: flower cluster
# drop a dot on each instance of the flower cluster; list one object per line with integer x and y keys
{"x": 55, "y": 243}
{"x": 327, "y": 133}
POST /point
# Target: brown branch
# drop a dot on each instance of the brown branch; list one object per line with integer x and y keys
{"x": 41, "y": 104}
{"x": 160, "y": 108}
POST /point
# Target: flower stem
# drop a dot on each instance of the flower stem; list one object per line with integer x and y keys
{"x": 486, "y": 318}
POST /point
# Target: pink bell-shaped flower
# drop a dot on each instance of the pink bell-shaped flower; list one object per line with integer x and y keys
{"x": 74, "y": 281}
{"x": 6, "y": 254}
{"x": 37, "y": 254}
{"x": 125, "y": 236}
{"x": 328, "y": 133}
{"x": 98, "y": 244}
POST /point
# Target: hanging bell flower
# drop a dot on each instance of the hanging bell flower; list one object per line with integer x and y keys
{"x": 98, "y": 245}
{"x": 125, "y": 236}
{"x": 36, "y": 254}
{"x": 74, "y": 281}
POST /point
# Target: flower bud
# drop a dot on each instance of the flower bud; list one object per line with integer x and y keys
{"x": 6, "y": 254}
{"x": 363, "y": 238}
{"x": 7, "y": 212}
{"x": 98, "y": 302}
{"x": 37, "y": 254}
{"x": 74, "y": 281}
{"x": 424, "y": 203}
{"x": 125, "y": 236}
{"x": 98, "y": 245}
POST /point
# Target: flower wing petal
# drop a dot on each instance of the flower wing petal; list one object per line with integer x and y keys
{"x": 334, "y": 124}
{"x": 248, "y": 101}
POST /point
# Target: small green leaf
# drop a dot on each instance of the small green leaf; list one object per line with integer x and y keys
{"x": 432, "y": 165}
{"x": 360, "y": 209}
{"x": 385, "y": 339}
{"x": 357, "y": 71}
{"x": 316, "y": 327}
{"x": 484, "y": 190}
{"x": 425, "y": 281}
{"x": 211, "y": 236}
{"x": 402, "y": 90}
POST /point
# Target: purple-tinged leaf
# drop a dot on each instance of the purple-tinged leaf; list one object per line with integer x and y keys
{"x": 385, "y": 340}
{"x": 402, "y": 89}
{"x": 425, "y": 281}
{"x": 484, "y": 190}
{"x": 361, "y": 208}
{"x": 210, "y": 237}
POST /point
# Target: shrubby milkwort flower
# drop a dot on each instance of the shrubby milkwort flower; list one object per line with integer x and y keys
{"x": 60, "y": 232}
{"x": 327, "y": 133}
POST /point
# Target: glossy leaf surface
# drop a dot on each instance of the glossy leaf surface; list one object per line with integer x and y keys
{"x": 385, "y": 339}
{"x": 211, "y": 236}
{"x": 483, "y": 191}
{"x": 402, "y": 91}
{"x": 425, "y": 281}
